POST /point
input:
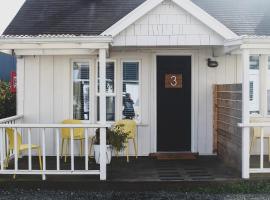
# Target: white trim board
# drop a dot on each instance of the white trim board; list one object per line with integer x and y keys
{"x": 194, "y": 108}
{"x": 187, "y": 5}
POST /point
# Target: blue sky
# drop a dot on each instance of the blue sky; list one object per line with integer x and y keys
{"x": 8, "y": 9}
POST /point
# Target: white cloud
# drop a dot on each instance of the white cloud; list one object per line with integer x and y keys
{"x": 8, "y": 10}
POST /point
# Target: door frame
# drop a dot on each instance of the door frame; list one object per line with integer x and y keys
{"x": 194, "y": 108}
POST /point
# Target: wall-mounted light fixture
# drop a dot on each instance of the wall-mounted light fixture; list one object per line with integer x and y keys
{"x": 212, "y": 63}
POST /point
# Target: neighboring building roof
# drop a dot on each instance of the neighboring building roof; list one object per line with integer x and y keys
{"x": 244, "y": 17}
{"x": 92, "y": 17}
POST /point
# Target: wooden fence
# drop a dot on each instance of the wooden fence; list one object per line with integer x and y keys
{"x": 227, "y": 115}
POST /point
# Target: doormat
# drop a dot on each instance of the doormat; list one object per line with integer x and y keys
{"x": 174, "y": 156}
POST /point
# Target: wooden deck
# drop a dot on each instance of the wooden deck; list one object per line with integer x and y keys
{"x": 143, "y": 169}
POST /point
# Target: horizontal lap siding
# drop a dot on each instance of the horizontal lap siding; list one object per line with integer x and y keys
{"x": 228, "y": 113}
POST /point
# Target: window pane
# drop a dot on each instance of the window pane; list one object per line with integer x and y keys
{"x": 81, "y": 90}
{"x": 109, "y": 77}
{"x": 268, "y": 102}
{"x": 131, "y": 101}
{"x": 110, "y": 105}
{"x": 254, "y": 85}
{"x": 268, "y": 87}
{"x": 254, "y": 62}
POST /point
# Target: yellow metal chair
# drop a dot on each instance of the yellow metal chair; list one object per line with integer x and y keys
{"x": 78, "y": 134}
{"x": 20, "y": 147}
{"x": 130, "y": 127}
{"x": 256, "y": 133}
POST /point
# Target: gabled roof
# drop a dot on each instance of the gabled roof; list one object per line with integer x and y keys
{"x": 187, "y": 5}
{"x": 76, "y": 17}
{"x": 92, "y": 17}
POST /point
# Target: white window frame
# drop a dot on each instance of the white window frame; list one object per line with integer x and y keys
{"x": 91, "y": 88}
{"x": 140, "y": 88}
{"x": 263, "y": 75}
{"x": 108, "y": 94}
{"x": 267, "y": 84}
{"x": 253, "y": 75}
{"x": 118, "y": 88}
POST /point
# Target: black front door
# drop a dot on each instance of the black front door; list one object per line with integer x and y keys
{"x": 173, "y": 103}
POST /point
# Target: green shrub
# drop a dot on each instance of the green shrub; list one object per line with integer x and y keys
{"x": 116, "y": 137}
{"x": 7, "y": 100}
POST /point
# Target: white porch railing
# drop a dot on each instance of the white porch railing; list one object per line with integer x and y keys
{"x": 17, "y": 119}
{"x": 42, "y": 128}
{"x": 12, "y": 120}
{"x": 246, "y": 154}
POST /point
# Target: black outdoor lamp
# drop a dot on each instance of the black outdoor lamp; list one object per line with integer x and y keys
{"x": 212, "y": 63}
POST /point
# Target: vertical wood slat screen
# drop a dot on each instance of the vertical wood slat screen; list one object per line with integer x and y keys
{"x": 227, "y": 114}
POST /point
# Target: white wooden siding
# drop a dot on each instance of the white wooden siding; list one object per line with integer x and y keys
{"x": 165, "y": 25}
{"x": 32, "y": 95}
{"x": 48, "y": 95}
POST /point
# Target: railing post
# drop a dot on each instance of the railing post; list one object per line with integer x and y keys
{"x": 245, "y": 114}
{"x": 103, "y": 150}
{"x": 29, "y": 149}
{"x": 102, "y": 110}
{"x": 57, "y": 149}
{"x": 86, "y": 148}
{"x": 262, "y": 148}
{"x": 72, "y": 148}
{"x": 44, "y": 154}
{"x": 15, "y": 150}
{"x": 2, "y": 143}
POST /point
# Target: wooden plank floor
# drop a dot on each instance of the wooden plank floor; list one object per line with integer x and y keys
{"x": 143, "y": 169}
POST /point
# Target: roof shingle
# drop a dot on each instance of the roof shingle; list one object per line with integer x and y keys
{"x": 92, "y": 17}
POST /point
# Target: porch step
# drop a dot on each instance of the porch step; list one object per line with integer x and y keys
{"x": 174, "y": 156}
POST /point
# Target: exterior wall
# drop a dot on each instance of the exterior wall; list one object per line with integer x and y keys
{"x": 167, "y": 25}
{"x": 47, "y": 96}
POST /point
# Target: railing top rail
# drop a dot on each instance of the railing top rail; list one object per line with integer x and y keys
{"x": 255, "y": 124}
{"x": 8, "y": 119}
{"x": 55, "y": 125}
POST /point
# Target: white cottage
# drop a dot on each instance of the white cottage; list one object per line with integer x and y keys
{"x": 82, "y": 59}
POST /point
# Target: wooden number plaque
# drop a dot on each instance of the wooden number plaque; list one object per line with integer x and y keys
{"x": 173, "y": 81}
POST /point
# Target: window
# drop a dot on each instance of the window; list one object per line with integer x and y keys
{"x": 110, "y": 91}
{"x": 80, "y": 73}
{"x": 254, "y": 84}
{"x": 131, "y": 91}
{"x": 254, "y": 62}
{"x": 268, "y": 87}
{"x": 268, "y": 63}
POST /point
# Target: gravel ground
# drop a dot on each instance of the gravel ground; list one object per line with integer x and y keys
{"x": 39, "y": 194}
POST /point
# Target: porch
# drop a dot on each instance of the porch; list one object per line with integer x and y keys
{"x": 143, "y": 169}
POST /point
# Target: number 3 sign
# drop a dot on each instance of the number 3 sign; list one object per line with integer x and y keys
{"x": 173, "y": 81}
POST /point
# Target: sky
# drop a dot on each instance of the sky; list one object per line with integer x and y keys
{"x": 8, "y": 10}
